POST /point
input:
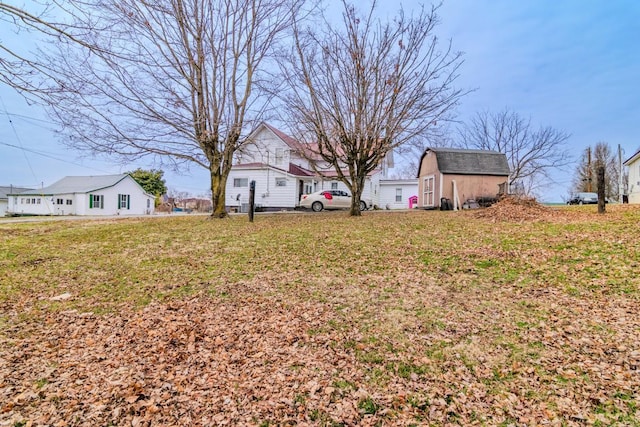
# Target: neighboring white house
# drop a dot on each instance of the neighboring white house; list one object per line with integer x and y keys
{"x": 275, "y": 161}
{"x": 633, "y": 163}
{"x": 4, "y": 200}
{"x": 84, "y": 195}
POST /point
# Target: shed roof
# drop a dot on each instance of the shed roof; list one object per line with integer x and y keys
{"x": 469, "y": 162}
{"x": 79, "y": 184}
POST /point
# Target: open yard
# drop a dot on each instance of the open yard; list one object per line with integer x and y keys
{"x": 515, "y": 315}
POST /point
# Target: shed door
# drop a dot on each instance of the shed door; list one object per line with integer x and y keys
{"x": 428, "y": 191}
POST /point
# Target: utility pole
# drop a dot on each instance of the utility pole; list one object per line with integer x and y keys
{"x": 589, "y": 169}
{"x": 620, "y": 175}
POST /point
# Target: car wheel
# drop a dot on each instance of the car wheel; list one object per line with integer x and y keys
{"x": 580, "y": 202}
{"x": 317, "y": 206}
{"x": 363, "y": 206}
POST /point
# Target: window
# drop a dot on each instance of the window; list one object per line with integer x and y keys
{"x": 279, "y": 156}
{"x": 69, "y": 202}
{"x": 240, "y": 182}
{"x": 28, "y": 201}
{"x": 22, "y": 200}
{"x": 123, "y": 201}
{"x": 308, "y": 188}
{"x": 96, "y": 201}
{"x": 281, "y": 182}
{"x": 59, "y": 202}
{"x": 334, "y": 185}
{"x": 398, "y": 194}
{"x": 148, "y": 203}
{"x": 38, "y": 200}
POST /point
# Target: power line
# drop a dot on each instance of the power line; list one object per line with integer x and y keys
{"x": 43, "y": 154}
{"x": 15, "y": 132}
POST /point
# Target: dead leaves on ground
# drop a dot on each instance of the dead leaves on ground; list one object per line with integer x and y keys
{"x": 476, "y": 329}
{"x": 257, "y": 361}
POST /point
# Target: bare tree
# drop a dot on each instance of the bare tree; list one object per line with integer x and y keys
{"x": 409, "y": 153}
{"x": 362, "y": 89}
{"x": 585, "y": 175}
{"x": 50, "y": 20}
{"x": 532, "y": 153}
{"x": 175, "y": 80}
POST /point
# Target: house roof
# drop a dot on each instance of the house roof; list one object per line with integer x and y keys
{"x": 632, "y": 159}
{"x": 299, "y": 171}
{"x": 309, "y": 151}
{"x": 292, "y": 170}
{"x": 79, "y": 184}
{"x": 4, "y": 191}
{"x": 469, "y": 162}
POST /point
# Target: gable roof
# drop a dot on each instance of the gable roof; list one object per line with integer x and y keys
{"x": 79, "y": 184}
{"x": 4, "y": 191}
{"x": 292, "y": 169}
{"x": 469, "y": 162}
{"x": 306, "y": 150}
{"x": 632, "y": 159}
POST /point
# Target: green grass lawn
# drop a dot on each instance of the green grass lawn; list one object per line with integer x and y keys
{"x": 423, "y": 318}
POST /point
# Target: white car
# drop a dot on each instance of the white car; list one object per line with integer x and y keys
{"x": 330, "y": 199}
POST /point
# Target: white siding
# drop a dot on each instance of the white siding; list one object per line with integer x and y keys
{"x": 43, "y": 206}
{"x": 3, "y": 207}
{"x": 139, "y": 202}
{"x": 266, "y": 147}
{"x": 388, "y": 191}
{"x": 268, "y": 194}
{"x": 634, "y": 181}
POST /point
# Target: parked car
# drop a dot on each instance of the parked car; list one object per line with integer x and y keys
{"x": 583, "y": 199}
{"x": 330, "y": 199}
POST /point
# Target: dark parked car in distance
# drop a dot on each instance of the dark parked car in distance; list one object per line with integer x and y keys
{"x": 583, "y": 199}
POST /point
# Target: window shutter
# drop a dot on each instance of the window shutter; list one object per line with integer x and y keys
{"x": 90, "y": 201}
{"x": 128, "y": 200}
{"x": 119, "y": 201}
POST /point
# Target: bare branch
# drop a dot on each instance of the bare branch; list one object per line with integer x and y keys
{"x": 532, "y": 153}
{"x": 359, "y": 91}
{"x": 173, "y": 79}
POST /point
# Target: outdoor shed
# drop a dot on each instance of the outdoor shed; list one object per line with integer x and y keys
{"x": 459, "y": 175}
{"x": 84, "y": 195}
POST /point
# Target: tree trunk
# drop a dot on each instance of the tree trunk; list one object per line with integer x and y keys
{"x": 218, "y": 193}
{"x": 601, "y": 195}
{"x": 357, "y": 185}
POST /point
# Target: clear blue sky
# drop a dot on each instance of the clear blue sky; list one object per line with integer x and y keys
{"x": 573, "y": 65}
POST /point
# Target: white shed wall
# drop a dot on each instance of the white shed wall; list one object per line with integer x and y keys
{"x": 388, "y": 189}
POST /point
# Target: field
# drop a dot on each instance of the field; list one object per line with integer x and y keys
{"x": 516, "y": 315}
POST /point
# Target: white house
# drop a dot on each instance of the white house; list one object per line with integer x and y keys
{"x": 633, "y": 163}
{"x": 275, "y": 161}
{"x": 4, "y": 199}
{"x": 84, "y": 195}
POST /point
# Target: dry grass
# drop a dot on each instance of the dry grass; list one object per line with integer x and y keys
{"x": 494, "y": 317}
